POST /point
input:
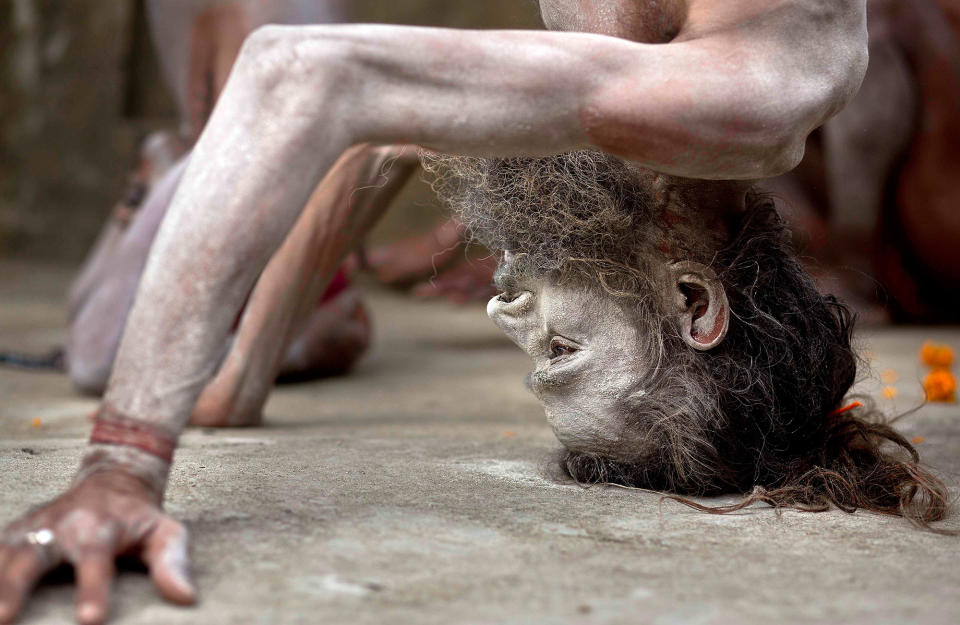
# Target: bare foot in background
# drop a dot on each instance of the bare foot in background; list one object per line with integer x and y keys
{"x": 469, "y": 280}
{"x": 416, "y": 258}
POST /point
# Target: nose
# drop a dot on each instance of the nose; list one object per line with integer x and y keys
{"x": 508, "y": 305}
{"x": 513, "y": 313}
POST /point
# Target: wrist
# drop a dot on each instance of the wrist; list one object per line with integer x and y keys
{"x": 111, "y": 427}
{"x": 137, "y": 468}
{"x": 136, "y": 448}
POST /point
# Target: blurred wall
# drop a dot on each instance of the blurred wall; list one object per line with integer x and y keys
{"x": 79, "y": 87}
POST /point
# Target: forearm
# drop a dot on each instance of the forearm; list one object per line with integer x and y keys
{"x": 734, "y": 102}
{"x": 248, "y": 178}
{"x": 346, "y": 204}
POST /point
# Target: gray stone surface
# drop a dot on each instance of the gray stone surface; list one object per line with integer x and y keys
{"x": 421, "y": 490}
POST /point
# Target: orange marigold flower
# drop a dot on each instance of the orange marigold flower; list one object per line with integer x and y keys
{"x": 37, "y": 422}
{"x": 889, "y": 392}
{"x": 917, "y": 440}
{"x": 940, "y": 385}
{"x": 936, "y": 355}
{"x": 889, "y": 376}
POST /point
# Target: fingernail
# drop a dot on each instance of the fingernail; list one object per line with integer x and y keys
{"x": 187, "y": 589}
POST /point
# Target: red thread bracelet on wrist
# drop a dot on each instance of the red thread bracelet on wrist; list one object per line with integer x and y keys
{"x": 113, "y": 428}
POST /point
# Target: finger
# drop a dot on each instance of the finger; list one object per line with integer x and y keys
{"x": 95, "y": 571}
{"x": 24, "y": 566}
{"x": 166, "y": 553}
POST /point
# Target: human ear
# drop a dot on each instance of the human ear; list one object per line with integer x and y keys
{"x": 701, "y": 303}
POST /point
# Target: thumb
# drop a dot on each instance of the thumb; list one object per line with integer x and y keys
{"x": 166, "y": 554}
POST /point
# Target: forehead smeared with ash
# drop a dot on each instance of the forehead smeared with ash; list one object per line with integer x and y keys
{"x": 585, "y": 212}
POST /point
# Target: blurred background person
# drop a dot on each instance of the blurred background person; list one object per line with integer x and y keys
{"x": 875, "y": 201}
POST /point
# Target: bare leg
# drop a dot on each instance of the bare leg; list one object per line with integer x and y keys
{"x": 414, "y": 258}
{"x": 862, "y": 144}
{"x": 927, "y": 194}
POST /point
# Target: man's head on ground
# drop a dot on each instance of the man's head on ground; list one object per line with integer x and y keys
{"x": 677, "y": 342}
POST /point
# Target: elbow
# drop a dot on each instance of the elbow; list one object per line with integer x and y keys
{"x": 772, "y": 156}
{"x": 267, "y": 58}
{"x": 728, "y": 140}
{"x": 267, "y": 67}
{"x": 283, "y": 72}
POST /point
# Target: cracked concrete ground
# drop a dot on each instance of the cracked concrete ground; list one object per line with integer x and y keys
{"x": 421, "y": 490}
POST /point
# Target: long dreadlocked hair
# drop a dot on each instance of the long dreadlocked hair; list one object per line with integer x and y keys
{"x": 779, "y": 379}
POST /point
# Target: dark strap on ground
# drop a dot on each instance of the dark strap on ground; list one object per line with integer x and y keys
{"x": 53, "y": 360}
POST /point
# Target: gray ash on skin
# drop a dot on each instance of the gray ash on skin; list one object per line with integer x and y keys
{"x": 757, "y": 413}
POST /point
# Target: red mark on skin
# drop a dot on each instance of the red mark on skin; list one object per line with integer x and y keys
{"x": 615, "y": 123}
{"x": 114, "y": 428}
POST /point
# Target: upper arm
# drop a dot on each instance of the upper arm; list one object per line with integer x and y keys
{"x": 738, "y": 91}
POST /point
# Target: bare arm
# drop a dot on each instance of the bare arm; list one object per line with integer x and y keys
{"x": 342, "y": 209}
{"x": 735, "y": 101}
{"x": 732, "y": 98}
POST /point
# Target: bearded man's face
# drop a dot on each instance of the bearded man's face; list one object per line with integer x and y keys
{"x": 603, "y": 287}
{"x": 588, "y": 354}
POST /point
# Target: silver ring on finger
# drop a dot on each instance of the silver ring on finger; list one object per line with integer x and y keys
{"x": 45, "y": 543}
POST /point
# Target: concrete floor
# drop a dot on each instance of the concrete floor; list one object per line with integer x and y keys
{"x": 421, "y": 490}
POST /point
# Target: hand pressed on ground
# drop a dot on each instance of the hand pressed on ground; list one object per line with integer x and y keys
{"x": 107, "y": 514}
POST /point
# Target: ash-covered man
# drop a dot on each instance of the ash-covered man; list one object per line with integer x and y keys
{"x": 197, "y": 42}
{"x": 698, "y": 89}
